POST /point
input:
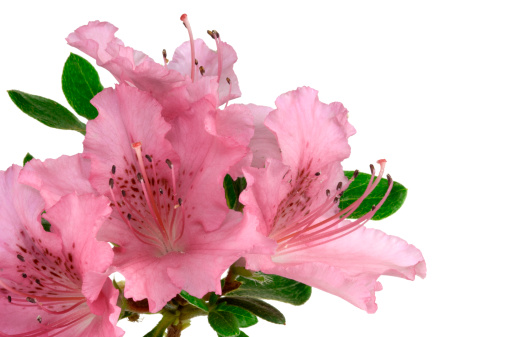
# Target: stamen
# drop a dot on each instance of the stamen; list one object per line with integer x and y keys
{"x": 339, "y": 185}
{"x": 215, "y": 35}
{"x": 147, "y": 190}
{"x": 165, "y": 56}
{"x": 310, "y": 236}
{"x": 111, "y": 182}
{"x": 186, "y": 23}
{"x": 202, "y": 70}
{"x": 229, "y": 93}
{"x": 113, "y": 169}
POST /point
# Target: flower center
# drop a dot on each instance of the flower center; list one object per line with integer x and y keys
{"x": 148, "y": 203}
{"x": 302, "y": 229}
{"x": 48, "y": 282}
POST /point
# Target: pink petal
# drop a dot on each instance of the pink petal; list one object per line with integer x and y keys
{"x": 263, "y": 144}
{"x": 77, "y": 219}
{"x": 208, "y": 59}
{"x": 311, "y": 134}
{"x": 207, "y": 150}
{"x": 131, "y": 66}
{"x": 55, "y": 178}
{"x": 126, "y": 115}
{"x": 348, "y": 267}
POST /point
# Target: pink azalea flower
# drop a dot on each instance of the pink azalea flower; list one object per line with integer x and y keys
{"x": 171, "y": 223}
{"x": 171, "y": 84}
{"x": 296, "y": 198}
{"x": 47, "y": 279}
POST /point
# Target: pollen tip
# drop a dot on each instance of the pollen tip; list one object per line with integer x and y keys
{"x": 339, "y": 185}
{"x": 327, "y": 193}
{"x": 113, "y": 169}
{"x": 372, "y": 169}
{"x": 183, "y": 17}
{"x": 136, "y": 145}
{"x": 228, "y": 80}
{"x": 390, "y": 179}
{"x": 111, "y": 182}
{"x": 140, "y": 177}
{"x": 39, "y": 319}
{"x": 355, "y": 174}
{"x": 318, "y": 174}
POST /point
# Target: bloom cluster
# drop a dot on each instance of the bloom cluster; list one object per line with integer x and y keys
{"x": 146, "y": 197}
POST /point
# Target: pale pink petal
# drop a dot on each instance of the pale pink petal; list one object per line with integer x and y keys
{"x": 207, "y": 151}
{"x": 348, "y": 267}
{"x": 77, "y": 219}
{"x": 263, "y": 144}
{"x": 265, "y": 191}
{"x": 365, "y": 250}
{"x": 208, "y": 59}
{"x": 235, "y": 122}
{"x": 55, "y": 178}
{"x": 359, "y": 290}
{"x": 311, "y": 134}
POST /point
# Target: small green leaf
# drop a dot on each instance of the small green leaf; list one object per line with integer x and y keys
{"x": 274, "y": 287}
{"x": 257, "y": 307}
{"x": 46, "y": 111}
{"x": 27, "y": 158}
{"x": 224, "y": 323}
{"x": 80, "y": 83}
{"x": 232, "y": 189}
{"x": 46, "y": 225}
{"x": 160, "y": 328}
{"x": 244, "y": 317}
{"x": 197, "y": 302}
{"x": 357, "y": 188}
{"x": 213, "y": 298}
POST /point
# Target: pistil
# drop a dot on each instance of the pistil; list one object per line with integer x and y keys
{"x": 186, "y": 23}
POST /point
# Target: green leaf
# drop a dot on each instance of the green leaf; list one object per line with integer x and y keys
{"x": 27, "y": 158}
{"x": 160, "y": 328}
{"x": 257, "y": 307}
{"x": 197, "y": 302}
{"x": 80, "y": 83}
{"x": 244, "y": 317}
{"x": 224, "y": 323}
{"x": 357, "y": 188}
{"x": 46, "y": 111}
{"x": 46, "y": 225}
{"x": 232, "y": 189}
{"x": 276, "y": 288}
{"x": 242, "y": 334}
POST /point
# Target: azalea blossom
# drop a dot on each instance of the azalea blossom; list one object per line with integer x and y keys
{"x": 295, "y": 198}
{"x": 171, "y": 224}
{"x": 173, "y": 84}
{"x": 49, "y": 280}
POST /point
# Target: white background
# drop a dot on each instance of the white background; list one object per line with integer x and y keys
{"x": 425, "y": 83}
